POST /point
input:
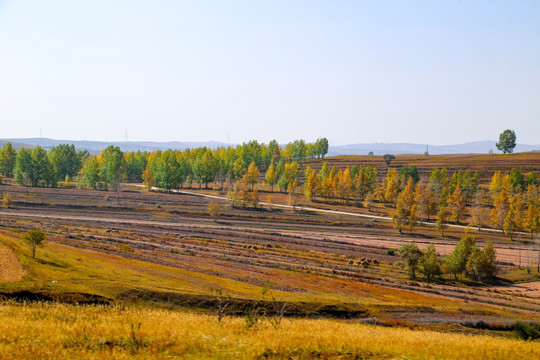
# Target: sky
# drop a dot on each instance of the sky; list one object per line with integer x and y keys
{"x": 429, "y": 72}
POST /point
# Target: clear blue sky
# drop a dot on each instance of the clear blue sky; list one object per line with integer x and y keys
{"x": 437, "y": 72}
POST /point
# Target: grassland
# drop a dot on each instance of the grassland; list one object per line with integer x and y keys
{"x": 56, "y": 331}
{"x": 10, "y": 267}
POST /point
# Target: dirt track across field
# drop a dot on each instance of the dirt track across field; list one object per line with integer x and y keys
{"x": 507, "y": 253}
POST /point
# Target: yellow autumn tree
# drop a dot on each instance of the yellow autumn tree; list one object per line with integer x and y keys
{"x": 456, "y": 203}
{"x": 500, "y": 209}
{"x": 252, "y": 175}
{"x": 392, "y": 187}
{"x": 405, "y": 213}
{"x": 425, "y": 200}
{"x": 344, "y": 185}
{"x": 311, "y": 186}
{"x": 271, "y": 176}
{"x": 513, "y": 219}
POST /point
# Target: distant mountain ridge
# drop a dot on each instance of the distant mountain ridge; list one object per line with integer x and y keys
{"x": 476, "y": 147}
{"x": 97, "y": 146}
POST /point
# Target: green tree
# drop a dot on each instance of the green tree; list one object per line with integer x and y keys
{"x": 167, "y": 171}
{"x": 411, "y": 254}
{"x": 297, "y": 150}
{"x": 35, "y": 238}
{"x": 237, "y": 170}
{"x": 482, "y": 264}
{"x": 456, "y": 262}
{"x": 90, "y": 176}
{"x": 23, "y": 166}
{"x": 251, "y": 152}
{"x": 135, "y": 166}
{"x": 32, "y": 166}
{"x": 8, "y": 157}
{"x": 321, "y": 146}
{"x": 388, "y": 159}
{"x": 112, "y": 168}
{"x": 204, "y": 168}
{"x": 271, "y": 154}
{"x": 64, "y": 162}
{"x": 518, "y": 181}
{"x": 430, "y": 264}
{"x": 437, "y": 180}
{"x": 290, "y": 173}
{"x": 507, "y": 141}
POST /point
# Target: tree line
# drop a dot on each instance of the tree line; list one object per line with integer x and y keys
{"x": 511, "y": 203}
{"x": 467, "y": 259}
{"x": 168, "y": 169}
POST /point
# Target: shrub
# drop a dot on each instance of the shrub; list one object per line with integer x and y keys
{"x": 527, "y": 331}
{"x": 7, "y": 200}
{"x": 214, "y": 209}
{"x": 391, "y": 252}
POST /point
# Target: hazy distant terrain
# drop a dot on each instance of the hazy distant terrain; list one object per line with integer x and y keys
{"x": 477, "y": 147}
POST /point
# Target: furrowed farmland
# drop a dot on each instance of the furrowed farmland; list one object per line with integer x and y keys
{"x": 259, "y": 252}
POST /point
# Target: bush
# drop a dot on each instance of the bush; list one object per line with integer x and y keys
{"x": 7, "y": 200}
{"x": 391, "y": 252}
{"x": 214, "y": 209}
{"x": 126, "y": 248}
{"x": 527, "y": 331}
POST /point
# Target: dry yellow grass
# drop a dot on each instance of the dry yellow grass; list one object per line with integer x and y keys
{"x": 55, "y": 331}
{"x": 10, "y": 267}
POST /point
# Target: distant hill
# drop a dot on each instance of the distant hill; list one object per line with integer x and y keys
{"x": 477, "y": 147}
{"x": 16, "y": 143}
{"x": 97, "y": 146}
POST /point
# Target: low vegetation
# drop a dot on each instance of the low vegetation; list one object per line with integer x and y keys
{"x": 35, "y": 330}
{"x": 10, "y": 267}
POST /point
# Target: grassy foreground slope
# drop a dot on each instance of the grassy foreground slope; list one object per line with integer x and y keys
{"x": 62, "y": 272}
{"x": 61, "y": 331}
{"x": 56, "y": 331}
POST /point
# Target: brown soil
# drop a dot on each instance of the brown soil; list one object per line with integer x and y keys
{"x": 318, "y": 252}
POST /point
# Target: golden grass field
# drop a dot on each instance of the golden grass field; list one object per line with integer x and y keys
{"x": 36, "y": 330}
{"x": 56, "y": 331}
{"x": 10, "y": 267}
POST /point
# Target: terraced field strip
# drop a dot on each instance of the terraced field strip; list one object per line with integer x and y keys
{"x": 335, "y": 212}
{"x": 10, "y": 267}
